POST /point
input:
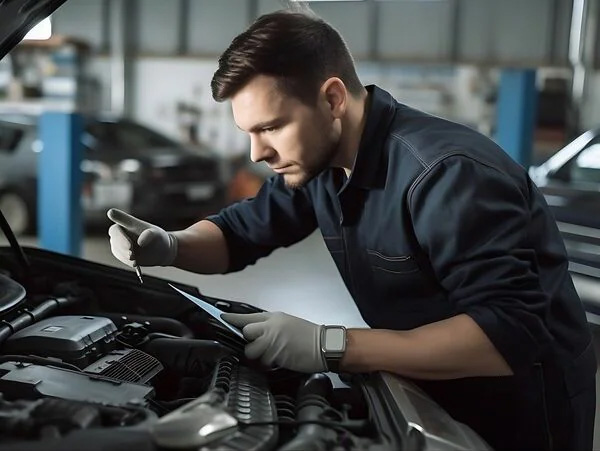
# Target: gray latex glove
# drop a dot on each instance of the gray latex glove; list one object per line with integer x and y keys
{"x": 279, "y": 339}
{"x": 135, "y": 241}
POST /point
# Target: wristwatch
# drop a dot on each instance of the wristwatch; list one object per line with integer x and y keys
{"x": 333, "y": 345}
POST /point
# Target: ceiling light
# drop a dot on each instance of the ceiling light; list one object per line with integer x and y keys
{"x": 42, "y": 30}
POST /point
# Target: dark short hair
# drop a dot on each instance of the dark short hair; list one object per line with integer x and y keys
{"x": 300, "y": 50}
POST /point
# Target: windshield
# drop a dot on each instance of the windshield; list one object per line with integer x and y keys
{"x": 125, "y": 135}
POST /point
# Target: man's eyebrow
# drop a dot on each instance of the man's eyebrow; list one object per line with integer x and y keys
{"x": 258, "y": 127}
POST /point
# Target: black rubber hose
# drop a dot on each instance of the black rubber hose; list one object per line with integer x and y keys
{"x": 184, "y": 354}
{"x": 312, "y": 402}
{"x": 43, "y": 310}
{"x": 24, "y": 267}
{"x": 5, "y": 332}
{"x": 155, "y": 323}
{"x": 12, "y": 293}
{"x": 38, "y": 360}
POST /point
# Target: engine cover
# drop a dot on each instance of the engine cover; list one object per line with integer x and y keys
{"x": 79, "y": 340}
{"x": 27, "y": 381}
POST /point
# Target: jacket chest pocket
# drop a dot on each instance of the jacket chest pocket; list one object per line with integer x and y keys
{"x": 399, "y": 265}
{"x": 398, "y": 280}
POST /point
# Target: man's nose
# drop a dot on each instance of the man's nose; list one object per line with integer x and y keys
{"x": 259, "y": 150}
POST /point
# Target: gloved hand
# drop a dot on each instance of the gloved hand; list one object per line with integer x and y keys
{"x": 135, "y": 241}
{"x": 279, "y": 339}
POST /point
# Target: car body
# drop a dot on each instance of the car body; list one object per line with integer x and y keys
{"x": 102, "y": 362}
{"x": 125, "y": 165}
{"x": 570, "y": 182}
{"x": 247, "y": 178}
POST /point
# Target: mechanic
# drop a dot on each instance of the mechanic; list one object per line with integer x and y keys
{"x": 445, "y": 244}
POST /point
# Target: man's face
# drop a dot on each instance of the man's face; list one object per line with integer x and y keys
{"x": 294, "y": 139}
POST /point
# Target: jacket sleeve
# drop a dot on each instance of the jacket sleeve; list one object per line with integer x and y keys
{"x": 473, "y": 221}
{"x": 278, "y": 216}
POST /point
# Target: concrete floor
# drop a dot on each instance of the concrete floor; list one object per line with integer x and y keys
{"x": 301, "y": 280}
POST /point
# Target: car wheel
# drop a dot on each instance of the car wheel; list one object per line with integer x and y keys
{"x": 17, "y": 212}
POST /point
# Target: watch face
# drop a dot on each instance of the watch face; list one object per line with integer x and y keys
{"x": 335, "y": 340}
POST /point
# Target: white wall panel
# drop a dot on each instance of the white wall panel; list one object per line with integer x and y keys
{"x": 161, "y": 83}
{"x": 591, "y": 104}
{"x": 414, "y": 30}
{"x": 267, "y": 6}
{"x": 158, "y": 26}
{"x": 511, "y": 31}
{"x": 351, "y": 20}
{"x": 563, "y": 25}
{"x": 489, "y": 31}
{"x": 214, "y": 23}
{"x": 521, "y": 30}
{"x": 475, "y": 39}
{"x": 348, "y": 17}
{"x": 81, "y": 19}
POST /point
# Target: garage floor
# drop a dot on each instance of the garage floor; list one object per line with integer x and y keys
{"x": 301, "y": 280}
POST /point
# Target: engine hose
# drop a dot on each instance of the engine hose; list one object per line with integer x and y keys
{"x": 38, "y": 360}
{"x": 24, "y": 268}
{"x": 184, "y": 354}
{"x": 285, "y": 407}
{"x": 5, "y": 332}
{"x": 28, "y": 317}
{"x": 312, "y": 402}
{"x": 154, "y": 323}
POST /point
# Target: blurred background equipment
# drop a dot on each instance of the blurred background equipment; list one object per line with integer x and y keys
{"x": 151, "y": 62}
{"x": 53, "y": 71}
{"x": 125, "y": 165}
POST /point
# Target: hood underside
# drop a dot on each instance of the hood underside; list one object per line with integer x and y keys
{"x": 17, "y": 17}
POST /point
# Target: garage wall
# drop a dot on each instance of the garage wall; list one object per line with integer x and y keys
{"x": 158, "y": 26}
{"x": 84, "y": 20}
{"x": 178, "y": 41}
{"x": 157, "y": 94}
{"x": 351, "y": 19}
{"x": 591, "y": 109}
{"x": 213, "y": 24}
{"x": 160, "y": 84}
{"x": 471, "y": 31}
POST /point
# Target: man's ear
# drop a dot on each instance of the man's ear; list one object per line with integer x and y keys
{"x": 335, "y": 96}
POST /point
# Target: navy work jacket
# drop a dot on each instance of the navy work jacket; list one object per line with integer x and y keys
{"x": 435, "y": 220}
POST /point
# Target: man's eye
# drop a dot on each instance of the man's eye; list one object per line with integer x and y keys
{"x": 269, "y": 129}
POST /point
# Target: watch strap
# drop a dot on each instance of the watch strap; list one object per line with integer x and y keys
{"x": 333, "y": 364}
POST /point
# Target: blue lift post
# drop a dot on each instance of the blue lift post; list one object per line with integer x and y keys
{"x": 60, "y": 220}
{"x": 516, "y": 113}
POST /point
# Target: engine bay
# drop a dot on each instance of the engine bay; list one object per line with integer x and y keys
{"x": 89, "y": 359}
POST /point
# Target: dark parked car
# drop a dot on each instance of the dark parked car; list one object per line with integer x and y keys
{"x": 125, "y": 165}
{"x": 570, "y": 181}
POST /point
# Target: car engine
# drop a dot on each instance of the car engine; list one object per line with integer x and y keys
{"x": 89, "y": 359}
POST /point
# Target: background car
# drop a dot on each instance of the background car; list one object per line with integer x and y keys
{"x": 570, "y": 182}
{"x": 247, "y": 178}
{"x": 125, "y": 165}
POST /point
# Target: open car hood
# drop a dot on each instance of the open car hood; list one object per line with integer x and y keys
{"x": 17, "y": 17}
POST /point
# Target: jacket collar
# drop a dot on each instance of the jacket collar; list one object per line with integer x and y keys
{"x": 368, "y": 158}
